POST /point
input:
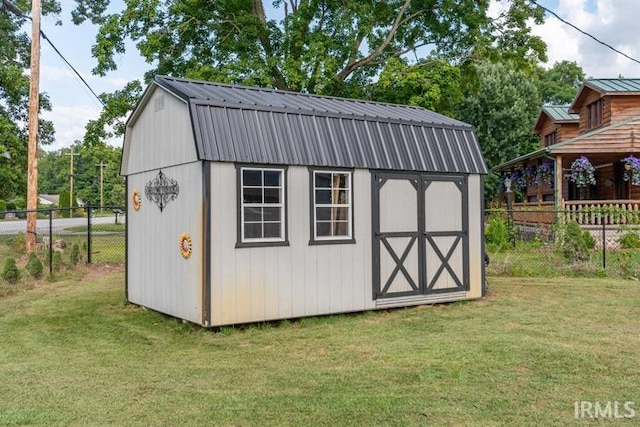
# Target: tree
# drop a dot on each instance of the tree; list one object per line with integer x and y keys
{"x": 559, "y": 84}
{"x": 433, "y": 84}
{"x": 14, "y": 98}
{"x": 88, "y": 174}
{"x": 503, "y": 112}
{"x": 54, "y": 174}
{"x": 331, "y": 47}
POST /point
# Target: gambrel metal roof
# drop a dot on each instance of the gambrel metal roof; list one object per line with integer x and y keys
{"x": 256, "y": 125}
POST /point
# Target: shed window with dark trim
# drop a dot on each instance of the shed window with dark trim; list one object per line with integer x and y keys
{"x": 332, "y": 206}
{"x": 262, "y": 205}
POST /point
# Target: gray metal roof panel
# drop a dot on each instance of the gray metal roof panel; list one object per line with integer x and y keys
{"x": 239, "y": 132}
{"x": 268, "y": 99}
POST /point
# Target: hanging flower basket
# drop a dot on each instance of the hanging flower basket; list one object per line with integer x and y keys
{"x": 582, "y": 172}
{"x": 529, "y": 174}
{"x": 518, "y": 180}
{"x": 544, "y": 174}
{"x": 631, "y": 169}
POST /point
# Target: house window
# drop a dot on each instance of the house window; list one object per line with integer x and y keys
{"x": 262, "y": 206}
{"x": 332, "y": 207}
{"x": 594, "y": 114}
{"x": 550, "y": 138}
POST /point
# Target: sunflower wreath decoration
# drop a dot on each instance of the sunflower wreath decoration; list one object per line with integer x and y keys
{"x": 185, "y": 245}
{"x": 136, "y": 200}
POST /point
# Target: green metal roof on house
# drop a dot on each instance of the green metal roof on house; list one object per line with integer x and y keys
{"x": 548, "y": 151}
{"x": 560, "y": 113}
{"x": 614, "y": 85}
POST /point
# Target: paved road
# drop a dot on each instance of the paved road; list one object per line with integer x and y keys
{"x": 58, "y": 225}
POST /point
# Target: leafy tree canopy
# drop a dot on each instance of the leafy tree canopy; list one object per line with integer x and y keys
{"x": 559, "y": 84}
{"x": 326, "y": 47}
{"x": 433, "y": 84}
{"x": 54, "y": 172}
{"x": 15, "y": 55}
{"x": 503, "y": 112}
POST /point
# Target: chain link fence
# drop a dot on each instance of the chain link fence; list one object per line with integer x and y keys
{"x": 65, "y": 238}
{"x": 519, "y": 242}
{"x": 590, "y": 242}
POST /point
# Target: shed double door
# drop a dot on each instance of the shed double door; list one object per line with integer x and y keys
{"x": 420, "y": 238}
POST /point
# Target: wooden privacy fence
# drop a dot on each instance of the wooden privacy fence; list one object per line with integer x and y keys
{"x": 543, "y": 214}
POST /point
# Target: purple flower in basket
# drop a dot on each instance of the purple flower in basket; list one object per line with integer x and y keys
{"x": 632, "y": 169}
{"x": 582, "y": 172}
{"x": 529, "y": 173}
{"x": 518, "y": 180}
{"x": 544, "y": 174}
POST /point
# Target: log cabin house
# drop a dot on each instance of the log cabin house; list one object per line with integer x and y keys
{"x": 603, "y": 125}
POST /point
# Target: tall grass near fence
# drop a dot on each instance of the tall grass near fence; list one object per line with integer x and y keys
{"x": 65, "y": 239}
{"x": 563, "y": 248}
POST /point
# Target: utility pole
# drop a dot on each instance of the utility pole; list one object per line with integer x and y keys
{"x": 101, "y": 166}
{"x": 34, "y": 102}
{"x": 72, "y": 154}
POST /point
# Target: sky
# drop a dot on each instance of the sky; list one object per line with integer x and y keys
{"x": 612, "y": 21}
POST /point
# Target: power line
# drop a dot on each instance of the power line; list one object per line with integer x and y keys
{"x": 16, "y": 11}
{"x": 564, "y": 21}
{"x": 72, "y": 68}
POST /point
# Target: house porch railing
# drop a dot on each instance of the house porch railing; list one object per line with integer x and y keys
{"x": 598, "y": 212}
{"x": 585, "y": 212}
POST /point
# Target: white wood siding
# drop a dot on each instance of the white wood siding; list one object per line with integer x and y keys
{"x": 158, "y": 276}
{"x": 160, "y": 135}
{"x": 399, "y": 213}
{"x": 443, "y": 212}
{"x": 265, "y": 283}
{"x": 476, "y": 235}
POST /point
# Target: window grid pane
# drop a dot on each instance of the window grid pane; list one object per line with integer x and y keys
{"x": 332, "y": 204}
{"x": 262, "y": 204}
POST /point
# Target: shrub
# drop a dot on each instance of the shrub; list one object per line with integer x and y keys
{"x": 630, "y": 240}
{"x": 75, "y": 254}
{"x": 10, "y": 273}
{"x": 496, "y": 232}
{"x": 3, "y": 208}
{"x": 57, "y": 261}
{"x": 20, "y": 203}
{"x": 63, "y": 204}
{"x": 34, "y": 266}
{"x": 18, "y": 243}
{"x": 629, "y": 263}
{"x": 577, "y": 242}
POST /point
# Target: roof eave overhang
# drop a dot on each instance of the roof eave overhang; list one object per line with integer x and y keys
{"x": 544, "y": 152}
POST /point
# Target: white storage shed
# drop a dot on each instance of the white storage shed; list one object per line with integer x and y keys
{"x": 249, "y": 204}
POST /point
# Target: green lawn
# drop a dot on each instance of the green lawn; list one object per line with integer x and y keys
{"x": 73, "y": 353}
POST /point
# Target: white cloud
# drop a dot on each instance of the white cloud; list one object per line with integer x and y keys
{"x": 615, "y": 24}
{"x": 69, "y": 122}
{"x": 52, "y": 74}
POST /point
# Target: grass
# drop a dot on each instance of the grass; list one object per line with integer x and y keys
{"x": 532, "y": 259}
{"x": 74, "y": 353}
{"x": 105, "y": 248}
